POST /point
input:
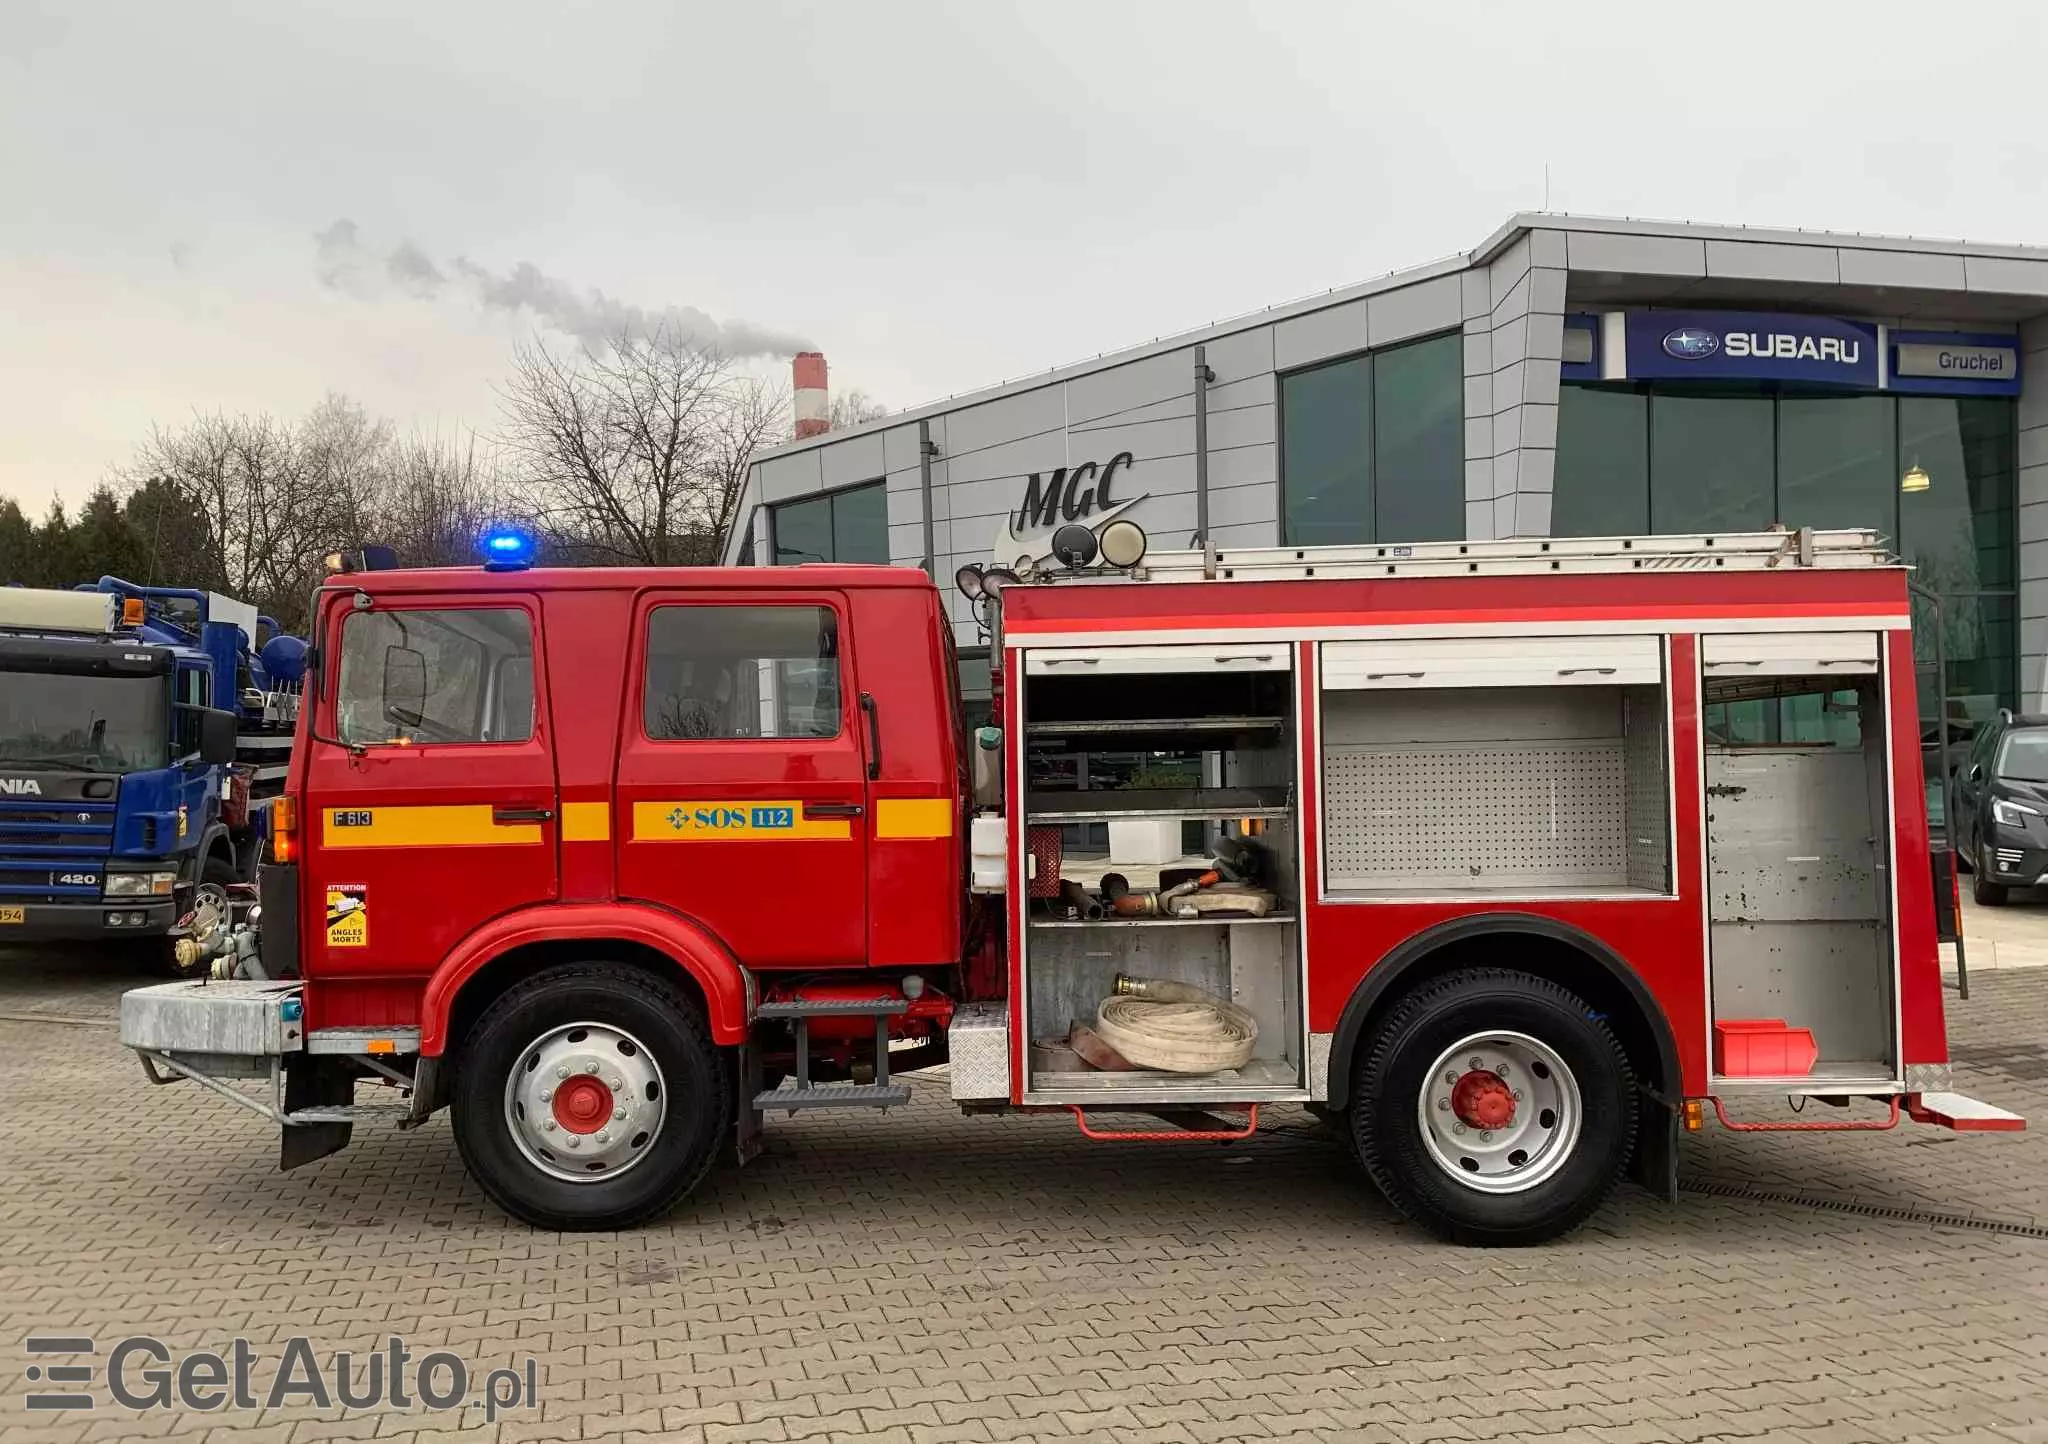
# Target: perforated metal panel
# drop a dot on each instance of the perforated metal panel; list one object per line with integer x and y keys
{"x": 1539, "y": 814}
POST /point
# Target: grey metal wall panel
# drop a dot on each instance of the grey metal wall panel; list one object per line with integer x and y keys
{"x": 1243, "y": 354}
{"x": 1479, "y": 486}
{"x": 1645, "y": 255}
{"x": 1240, "y": 505}
{"x": 1547, "y": 290}
{"x": 1237, "y": 466}
{"x": 784, "y": 477}
{"x": 1026, "y": 413}
{"x": 1510, "y": 342}
{"x": 2006, "y": 277}
{"x": 905, "y": 509}
{"x": 1514, "y": 301}
{"x": 1547, "y": 248}
{"x": 1319, "y": 336}
{"x": 1907, "y": 270}
{"x": 906, "y": 543}
{"x": 1507, "y": 270}
{"x": 1477, "y": 289}
{"x": 1250, "y": 534}
{"x": 856, "y": 459}
{"x": 1762, "y": 261}
{"x": 1414, "y": 311}
{"x": 1242, "y": 425}
{"x": 1124, "y": 390}
{"x": 1546, "y": 336}
{"x": 899, "y": 448}
{"x": 1480, "y": 437}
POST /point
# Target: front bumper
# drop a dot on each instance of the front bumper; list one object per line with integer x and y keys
{"x": 2012, "y": 860}
{"x": 87, "y": 922}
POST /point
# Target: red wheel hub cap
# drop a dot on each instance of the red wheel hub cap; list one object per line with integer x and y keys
{"x": 583, "y": 1104}
{"x": 1481, "y": 1100}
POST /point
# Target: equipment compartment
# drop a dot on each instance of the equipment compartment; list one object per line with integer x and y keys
{"x": 1199, "y": 744}
{"x": 1476, "y": 790}
{"x": 1798, "y": 860}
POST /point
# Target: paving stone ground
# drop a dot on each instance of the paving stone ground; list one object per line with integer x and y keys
{"x": 925, "y": 1277}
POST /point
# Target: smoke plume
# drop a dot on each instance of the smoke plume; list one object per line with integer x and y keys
{"x": 344, "y": 263}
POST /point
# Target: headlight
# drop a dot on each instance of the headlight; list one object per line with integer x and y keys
{"x": 141, "y": 884}
{"x": 2012, "y": 814}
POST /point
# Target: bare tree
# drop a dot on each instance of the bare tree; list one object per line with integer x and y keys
{"x": 634, "y": 452}
{"x": 855, "y": 408}
{"x": 439, "y": 499}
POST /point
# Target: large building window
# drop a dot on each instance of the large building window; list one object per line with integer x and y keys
{"x": 840, "y": 526}
{"x": 1372, "y": 447}
{"x": 1935, "y": 474}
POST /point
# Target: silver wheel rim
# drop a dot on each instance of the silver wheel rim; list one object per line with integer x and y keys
{"x": 1499, "y": 1112}
{"x": 585, "y": 1102}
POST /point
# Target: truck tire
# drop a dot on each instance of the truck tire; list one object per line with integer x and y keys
{"x": 590, "y": 1096}
{"x": 1494, "y": 1108}
{"x": 214, "y": 879}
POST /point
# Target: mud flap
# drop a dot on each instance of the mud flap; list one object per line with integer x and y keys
{"x": 312, "y": 1081}
{"x": 1655, "y": 1165}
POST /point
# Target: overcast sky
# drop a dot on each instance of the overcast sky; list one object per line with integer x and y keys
{"x": 937, "y": 195}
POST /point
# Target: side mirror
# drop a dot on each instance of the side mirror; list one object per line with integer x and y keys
{"x": 216, "y": 740}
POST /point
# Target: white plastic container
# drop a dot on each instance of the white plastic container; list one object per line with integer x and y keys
{"x": 989, "y": 858}
{"x": 1144, "y": 841}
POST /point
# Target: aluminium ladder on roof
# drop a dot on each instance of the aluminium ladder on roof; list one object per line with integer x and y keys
{"x": 1527, "y": 556}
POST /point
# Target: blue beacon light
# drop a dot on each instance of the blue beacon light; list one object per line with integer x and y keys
{"x": 507, "y": 551}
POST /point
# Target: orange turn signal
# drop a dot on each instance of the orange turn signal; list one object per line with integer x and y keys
{"x": 284, "y": 830}
{"x": 1695, "y": 1115}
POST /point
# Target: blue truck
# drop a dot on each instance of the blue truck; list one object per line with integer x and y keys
{"x": 142, "y": 732}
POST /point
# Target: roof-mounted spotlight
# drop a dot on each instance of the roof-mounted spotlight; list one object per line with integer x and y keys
{"x": 994, "y": 579}
{"x": 1074, "y": 544}
{"x": 968, "y": 580}
{"x": 1123, "y": 543}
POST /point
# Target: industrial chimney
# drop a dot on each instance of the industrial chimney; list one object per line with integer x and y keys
{"x": 813, "y": 400}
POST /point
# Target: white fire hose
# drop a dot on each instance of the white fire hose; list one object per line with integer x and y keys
{"x": 1175, "y": 1027}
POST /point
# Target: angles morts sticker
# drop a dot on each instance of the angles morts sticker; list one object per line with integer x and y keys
{"x": 348, "y": 915}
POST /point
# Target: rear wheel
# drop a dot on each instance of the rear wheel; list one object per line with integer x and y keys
{"x": 1494, "y": 1108}
{"x": 590, "y": 1097}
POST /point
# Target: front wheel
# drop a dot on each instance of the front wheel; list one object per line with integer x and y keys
{"x": 1494, "y": 1108}
{"x": 590, "y": 1096}
{"x": 1986, "y": 893}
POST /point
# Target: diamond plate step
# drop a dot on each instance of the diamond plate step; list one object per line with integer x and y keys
{"x": 834, "y": 1008}
{"x": 789, "y": 1097}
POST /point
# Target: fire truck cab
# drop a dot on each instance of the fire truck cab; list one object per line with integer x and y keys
{"x": 1472, "y": 848}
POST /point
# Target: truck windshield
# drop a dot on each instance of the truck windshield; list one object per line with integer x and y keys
{"x": 101, "y": 724}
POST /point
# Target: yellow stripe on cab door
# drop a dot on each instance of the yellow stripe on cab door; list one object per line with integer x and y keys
{"x": 463, "y": 825}
{"x": 914, "y": 817}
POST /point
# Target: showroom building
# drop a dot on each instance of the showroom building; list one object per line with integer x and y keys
{"x": 1568, "y": 377}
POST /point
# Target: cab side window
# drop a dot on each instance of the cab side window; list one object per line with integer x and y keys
{"x": 724, "y": 672}
{"x": 427, "y": 676}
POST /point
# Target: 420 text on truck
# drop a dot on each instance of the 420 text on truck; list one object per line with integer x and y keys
{"x": 1455, "y": 848}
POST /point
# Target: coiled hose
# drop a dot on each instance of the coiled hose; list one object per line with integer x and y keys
{"x": 1175, "y": 1027}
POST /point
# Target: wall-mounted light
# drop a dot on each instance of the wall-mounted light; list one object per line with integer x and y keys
{"x": 1915, "y": 479}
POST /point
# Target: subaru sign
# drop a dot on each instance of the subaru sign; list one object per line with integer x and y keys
{"x": 1751, "y": 346}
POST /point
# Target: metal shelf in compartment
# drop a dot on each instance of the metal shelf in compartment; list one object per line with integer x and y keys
{"x": 1213, "y": 920}
{"x": 1107, "y": 804}
{"x": 1148, "y": 725}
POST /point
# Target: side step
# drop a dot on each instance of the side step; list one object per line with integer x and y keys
{"x": 793, "y": 1094}
{"x": 790, "y": 1096}
{"x": 1964, "y": 1114}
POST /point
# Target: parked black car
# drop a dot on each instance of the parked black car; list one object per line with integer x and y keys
{"x": 2001, "y": 804}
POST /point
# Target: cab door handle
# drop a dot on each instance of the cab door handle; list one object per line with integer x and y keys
{"x": 831, "y": 809}
{"x": 521, "y": 814}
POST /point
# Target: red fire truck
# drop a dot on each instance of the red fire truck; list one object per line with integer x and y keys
{"x": 1508, "y": 858}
